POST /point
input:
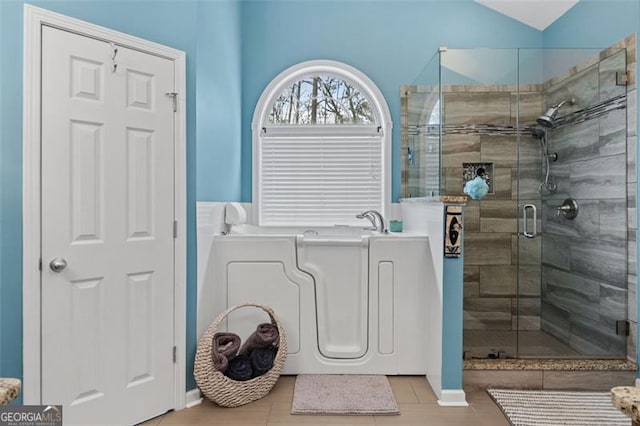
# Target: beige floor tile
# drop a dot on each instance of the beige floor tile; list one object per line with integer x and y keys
{"x": 255, "y": 413}
{"x": 152, "y": 422}
{"x": 497, "y": 420}
{"x": 211, "y": 421}
{"x": 340, "y": 422}
{"x": 429, "y": 414}
{"x": 478, "y": 396}
{"x": 409, "y": 414}
{"x": 422, "y": 390}
{"x": 282, "y": 391}
{"x": 281, "y": 414}
{"x": 402, "y": 390}
{"x": 488, "y": 408}
{"x": 417, "y": 403}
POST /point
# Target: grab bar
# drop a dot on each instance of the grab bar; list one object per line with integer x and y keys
{"x": 524, "y": 220}
{"x": 335, "y": 240}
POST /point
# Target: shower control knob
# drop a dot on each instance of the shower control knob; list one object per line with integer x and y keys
{"x": 569, "y": 208}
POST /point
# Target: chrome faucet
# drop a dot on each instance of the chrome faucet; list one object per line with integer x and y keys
{"x": 376, "y": 220}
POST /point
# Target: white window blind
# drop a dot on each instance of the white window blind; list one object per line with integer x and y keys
{"x": 311, "y": 176}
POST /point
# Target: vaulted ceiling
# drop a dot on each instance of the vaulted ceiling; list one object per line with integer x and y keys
{"x": 538, "y": 14}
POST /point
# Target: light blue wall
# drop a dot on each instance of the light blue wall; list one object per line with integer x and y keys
{"x": 10, "y": 198}
{"x": 172, "y": 23}
{"x": 390, "y": 41}
{"x": 2, "y": 38}
{"x": 218, "y": 101}
{"x": 10, "y": 363}
{"x": 596, "y": 23}
{"x": 452, "y": 318}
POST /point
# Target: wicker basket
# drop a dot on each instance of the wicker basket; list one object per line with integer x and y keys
{"x": 227, "y": 392}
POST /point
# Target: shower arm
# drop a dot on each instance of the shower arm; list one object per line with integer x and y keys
{"x": 571, "y": 102}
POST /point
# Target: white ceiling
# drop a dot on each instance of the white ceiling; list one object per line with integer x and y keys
{"x": 538, "y": 14}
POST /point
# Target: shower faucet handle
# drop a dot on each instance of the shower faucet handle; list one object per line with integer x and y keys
{"x": 569, "y": 209}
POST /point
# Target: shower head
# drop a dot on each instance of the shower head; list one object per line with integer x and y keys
{"x": 548, "y": 118}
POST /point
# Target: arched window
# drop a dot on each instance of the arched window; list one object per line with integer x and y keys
{"x": 321, "y": 147}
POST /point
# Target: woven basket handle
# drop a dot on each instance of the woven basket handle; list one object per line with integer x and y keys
{"x": 224, "y": 314}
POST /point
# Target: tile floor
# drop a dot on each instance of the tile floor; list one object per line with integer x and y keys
{"x": 415, "y": 399}
{"x": 531, "y": 344}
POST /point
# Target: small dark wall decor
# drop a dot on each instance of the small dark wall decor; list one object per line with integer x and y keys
{"x": 453, "y": 231}
{"x": 470, "y": 171}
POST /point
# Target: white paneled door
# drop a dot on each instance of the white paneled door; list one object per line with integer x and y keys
{"x": 107, "y": 230}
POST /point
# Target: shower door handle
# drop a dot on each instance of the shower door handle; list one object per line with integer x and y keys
{"x": 525, "y": 230}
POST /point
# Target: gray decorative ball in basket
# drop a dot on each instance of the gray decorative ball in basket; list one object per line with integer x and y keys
{"x": 221, "y": 389}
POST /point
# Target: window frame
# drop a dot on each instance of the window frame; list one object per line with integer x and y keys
{"x": 285, "y": 79}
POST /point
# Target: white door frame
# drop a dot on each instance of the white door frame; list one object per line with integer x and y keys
{"x": 34, "y": 19}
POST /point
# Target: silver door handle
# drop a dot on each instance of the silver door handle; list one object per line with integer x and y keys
{"x": 58, "y": 264}
{"x": 525, "y": 230}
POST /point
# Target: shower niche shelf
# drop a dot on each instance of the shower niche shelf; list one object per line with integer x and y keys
{"x": 470, "y": 171}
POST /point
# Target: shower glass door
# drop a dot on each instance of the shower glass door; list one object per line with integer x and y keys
{"x": 547, "y": 249}
{"x": 528, "y": 241}
{"x": 572, "y": 204}
{"x": 479, "y": 134}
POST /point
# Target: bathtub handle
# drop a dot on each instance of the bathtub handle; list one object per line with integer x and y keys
{"x": 355, "y": 241}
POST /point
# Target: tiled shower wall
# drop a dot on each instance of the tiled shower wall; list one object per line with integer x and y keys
{"x": 630, "y": 43}
{"x": 479, "y": 125}
{"x": 586, "y": 286}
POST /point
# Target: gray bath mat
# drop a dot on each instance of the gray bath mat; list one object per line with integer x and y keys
{"x": 554, "y": 408}
{"x": 343, "y": 394}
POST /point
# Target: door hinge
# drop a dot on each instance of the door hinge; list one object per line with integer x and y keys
{"x": 622, "y": 78}
{"x": 175, "y": 354}
{"x": 174, "y": 97}
{"x": 622, "y": 327}
{"x": 175, "y": 229}
{"x": 40, "y": 264}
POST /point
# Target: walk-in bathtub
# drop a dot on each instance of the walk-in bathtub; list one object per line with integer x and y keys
{"x": 350, "y": 300}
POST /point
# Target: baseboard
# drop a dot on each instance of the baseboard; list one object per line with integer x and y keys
{"x": 453, "y": 398}
{"x": 193, "y": 398}
{"x": 435, "y": 381}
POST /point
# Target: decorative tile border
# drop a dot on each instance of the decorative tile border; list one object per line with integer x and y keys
{"x": 580, "y": 116}
{"x": 593, "y": 111}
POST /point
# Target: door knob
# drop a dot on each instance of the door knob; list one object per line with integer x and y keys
{"x": 58, "y": 264}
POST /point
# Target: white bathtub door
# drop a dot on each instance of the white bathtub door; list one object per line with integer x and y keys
{"x": 340, "y": 270}
{"x": 107, "y": 240}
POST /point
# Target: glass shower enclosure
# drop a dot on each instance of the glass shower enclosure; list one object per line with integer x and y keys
{"x": 546, "y": 250}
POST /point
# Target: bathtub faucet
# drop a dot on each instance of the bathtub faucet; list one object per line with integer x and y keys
{"x": 376, "y": 220}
